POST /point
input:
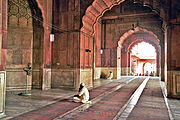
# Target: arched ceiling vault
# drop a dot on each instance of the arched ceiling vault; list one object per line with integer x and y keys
{"x": 151, "y": 39}
{"x": 137, "y": 29}
{"x": 99, "y": 7}
{"x": 153, "y": 43}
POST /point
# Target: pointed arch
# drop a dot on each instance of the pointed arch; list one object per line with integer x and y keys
{"x": 43, "y": 13}
{"x": 99, "y": 7}
{"x": 135, "y": 37}
{"x": 137, "y": 30}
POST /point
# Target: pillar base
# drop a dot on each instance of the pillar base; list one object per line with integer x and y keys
{"x": 2, "y": 92}
{"x": 125, "y": 71}
{"x": 173, "y": 84}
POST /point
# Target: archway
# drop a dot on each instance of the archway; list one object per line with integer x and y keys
{"x": 148, "y": 69}
{"x": 129, "y": 40}
{"x": 38, "y": 44}
{"x": 143, "y": 59}
{"x": 25, "y": 44}
{"x": 92, "y": 29}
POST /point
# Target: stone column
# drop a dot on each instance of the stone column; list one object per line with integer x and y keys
{"x": 46, "y": 82}
{"x": 124, "y": 62}
{"x": 3, "y": 33}
{"x": 118, "y": 62}
{"x": 158, "y": 65}
{"x": 128, "y": 63}
{"x": 2, "y": 92}
{"x": 3, "y": 39}
{"x": 163, "y": 55}
{"x": 86, "y": 59}
{"x": 172, "y": 58}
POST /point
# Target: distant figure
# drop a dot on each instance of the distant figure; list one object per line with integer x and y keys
{"x": 151, "y": 74}
{"x": 147, "y": 74}
{"x": 110, "y": 75}
{"x": 154, "y": 74}
{"x": 83, "y": 94}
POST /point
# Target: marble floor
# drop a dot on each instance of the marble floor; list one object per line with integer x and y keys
{"x": 17, "y": 105}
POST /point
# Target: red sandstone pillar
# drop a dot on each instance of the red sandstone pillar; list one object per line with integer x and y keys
{"x": 157, "y": 63}
{"x": 46, "y": 83}
{"x": 128, "y": 63}
{"x": 86, "y": 59}
{"x": 118, "y": 62}
{"x": 172, "y": 59}
{"x": 124, "y": 62}
{"x": 3, "y": 48}
{"x": 3, "y": 33}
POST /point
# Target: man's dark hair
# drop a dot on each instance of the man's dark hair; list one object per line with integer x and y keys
{"x": 81, "y": 86}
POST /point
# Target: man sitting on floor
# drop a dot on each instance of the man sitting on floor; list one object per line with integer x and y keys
{"x": 110, "y": 76}
{"x": 83, "y": 94}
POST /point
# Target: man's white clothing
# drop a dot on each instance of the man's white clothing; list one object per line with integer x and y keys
{"x": 110, "y": 75}
{"x": 83, "y": 96}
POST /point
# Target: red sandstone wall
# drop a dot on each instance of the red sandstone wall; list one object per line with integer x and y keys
{"x": 172, "y": 50}
{"x": 98, "y": 43}
{"x": 66, "y": 43}
{"x": 173, "y": 59}
{"x": 65, "y": 48}
{"x": 86, "y": 57}
{"x": 173, "y": 46}
{"x": 3, "y": 31}
{"x": 109, "y": 45}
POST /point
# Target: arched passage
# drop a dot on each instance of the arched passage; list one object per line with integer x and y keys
{"x": 25, "y": 44}
{"x": 148, "y": 69}
{"x": 140, "y": 54}
{"x": 38, "y": 44}
{"x": 92, "y": 32}
{"x": 129, "y": 40}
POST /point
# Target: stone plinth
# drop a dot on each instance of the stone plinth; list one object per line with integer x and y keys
{"x": 105, "y": 71}
{"x": 2, "y": 92}
{"x": 86, "y": 77}
{"x": 173, "y": 84}
{"x": 46, "y": 79}
{"x": 125, "y": 71}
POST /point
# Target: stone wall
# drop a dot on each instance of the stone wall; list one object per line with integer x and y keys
{"x": 97, "y": 73}
{"x": 63, "y": 78}
{"x": 65, "y": 48}
{"x": 103, "y": 73}
{"x": 106, "y": 71}
{"x": 173, "y": 83}
{"x": 173, "y": 58}
{"x": 3, "y": 25}
{"x": 86, "y": 59}
{"x": 86, "y": 77}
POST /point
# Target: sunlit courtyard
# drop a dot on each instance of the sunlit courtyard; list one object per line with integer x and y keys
{"x": 143, "y": 59}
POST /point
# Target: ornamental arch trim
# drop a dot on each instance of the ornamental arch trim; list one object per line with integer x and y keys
{"x": 99, "y": 7}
